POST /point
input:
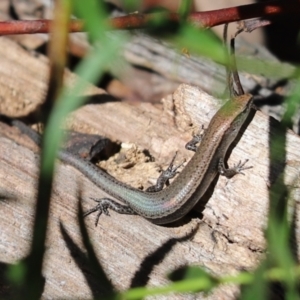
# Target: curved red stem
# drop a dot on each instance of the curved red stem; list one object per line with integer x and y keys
{"x": 133, "y": 21}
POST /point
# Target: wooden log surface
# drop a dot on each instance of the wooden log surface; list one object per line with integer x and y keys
{"x": 225, "y": 238}
{"x": 146, "y": 52}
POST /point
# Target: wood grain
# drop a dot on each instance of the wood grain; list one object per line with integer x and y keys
{"x": 225, "y": 238}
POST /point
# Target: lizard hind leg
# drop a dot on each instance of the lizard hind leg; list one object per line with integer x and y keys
{"x": 104, "y": 204}
{"x": 164, "y": 177}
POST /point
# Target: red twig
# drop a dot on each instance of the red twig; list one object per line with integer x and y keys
{"x": 133, "y": 21}
{"x": 35, "y": 26}
{"x": 238, "y": 13}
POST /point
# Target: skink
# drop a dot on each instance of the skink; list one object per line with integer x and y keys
{"x": 177, "y": 199}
